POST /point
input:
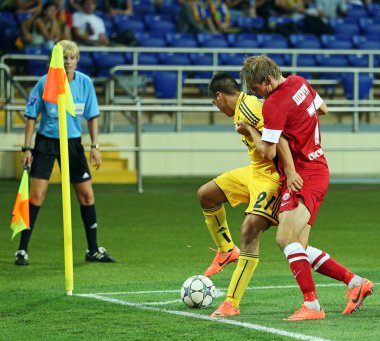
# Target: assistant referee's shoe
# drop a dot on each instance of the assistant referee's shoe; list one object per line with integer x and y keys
{"x": 99, "y": 256}
{"x": 21, "y": 257}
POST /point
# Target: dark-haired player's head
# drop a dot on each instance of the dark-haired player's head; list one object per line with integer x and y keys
{"x": 222, "y": 82}
{"x": 224, "y": 91}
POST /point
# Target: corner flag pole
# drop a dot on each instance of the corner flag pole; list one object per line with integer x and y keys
{"x": 57, "y": 90}
{"x": 66, "y": 200}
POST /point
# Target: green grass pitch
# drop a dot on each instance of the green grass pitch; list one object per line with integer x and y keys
{"x": 159, "y": 239}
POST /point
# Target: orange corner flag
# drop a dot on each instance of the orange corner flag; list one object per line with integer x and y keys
{"x": 56, "y": 81}
{"x": 20, "y": 213}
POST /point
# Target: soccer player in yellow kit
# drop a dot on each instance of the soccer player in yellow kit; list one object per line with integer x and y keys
{"x": 256, "y": 184}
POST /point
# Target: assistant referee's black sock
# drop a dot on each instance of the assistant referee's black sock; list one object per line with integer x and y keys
{"x": 25, "y": 234}
{"x": 89, "y": 221}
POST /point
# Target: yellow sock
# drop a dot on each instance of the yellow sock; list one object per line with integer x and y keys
{"x": 245, "y": 268}
{"x": 216, "y": 222}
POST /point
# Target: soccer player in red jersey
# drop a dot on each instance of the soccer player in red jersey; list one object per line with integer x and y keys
{"x": 291, "y": 109}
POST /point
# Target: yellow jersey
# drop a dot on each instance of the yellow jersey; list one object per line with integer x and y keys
{"x": 249, "y": 109}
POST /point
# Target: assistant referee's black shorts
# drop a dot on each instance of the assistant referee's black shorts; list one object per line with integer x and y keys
{"x": 47, "y": 150}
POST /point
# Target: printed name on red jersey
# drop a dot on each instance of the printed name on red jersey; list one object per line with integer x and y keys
{"x": 301, "y": 94}
{"x": 314, "y": 155}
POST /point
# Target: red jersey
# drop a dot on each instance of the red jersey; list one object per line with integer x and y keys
{"x": 291, "y": 110}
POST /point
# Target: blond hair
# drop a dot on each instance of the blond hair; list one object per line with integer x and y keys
{"x": 257, "y": 68}
{"x": 69, "y": 47}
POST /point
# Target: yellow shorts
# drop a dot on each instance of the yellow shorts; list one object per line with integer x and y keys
{"x": 261, "y": 192}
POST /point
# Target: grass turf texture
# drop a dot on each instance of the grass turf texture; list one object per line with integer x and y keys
{"x": 159, "y": 239}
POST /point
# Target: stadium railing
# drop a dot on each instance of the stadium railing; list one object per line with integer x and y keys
{"x": 9, "y": 82}
{"x": 138, "y": 149}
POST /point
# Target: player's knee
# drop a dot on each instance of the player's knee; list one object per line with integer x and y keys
{"x": 281, "y": 241}
{"x": 203, "y": 194}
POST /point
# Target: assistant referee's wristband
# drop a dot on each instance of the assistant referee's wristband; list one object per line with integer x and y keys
{"x": 25, "y": 149}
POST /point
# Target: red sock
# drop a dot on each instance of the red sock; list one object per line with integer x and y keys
{"x": 322, "y": 263}
{"x": 300, "y": 266}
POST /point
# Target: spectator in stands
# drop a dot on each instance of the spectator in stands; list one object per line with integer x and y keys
{"x": 266, "y": 8}
{"x": 33, "y": 7}
{"x": 75, "y": 5}
{"x": 119, "y": 7}
{"x": 238, "y": 8}
{"x": 46, "y": 150}
{"x": 64, "y": 18}
{"x": 328, "y": 9}
{"x": 88, "y": 28}
{"x": 42, "y": 30}
{"x": 219, "y": 14}
{"x": 316, "y": 21}
{"x": 193, "y": 17}
{"x": 291, "y": 8}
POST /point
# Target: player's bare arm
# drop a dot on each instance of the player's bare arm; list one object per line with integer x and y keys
{"x": 293, "y": 180}
{"x": 267, "y": 149}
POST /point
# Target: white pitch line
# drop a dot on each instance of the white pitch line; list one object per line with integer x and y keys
{"x": 223, "y": 289}
{"x": 218, "y": 293}
{"x": 296, "y": 336}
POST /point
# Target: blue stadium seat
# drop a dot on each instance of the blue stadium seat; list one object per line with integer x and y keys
{"x": 275, "y": 41}
{"x": 7, "y": 20}
{"x": 232, "y": 59}
{"x": 9, "y": 37}
{"x": 365, "y": 43}
{"x": 365, "y": 85}
{"x": 275, "y": 20}
{"x": 147, "y": 59}
{"x": 305, "y": 41}
{"x": 374, "y": 9}
{"x": 272, "y": 40}
{"x": 357, "y": 12}
{"x": 203, "y": 59}
{"x": 109, "y": 26}
{"x": 336, "y": 42}
{"x": 160, "y": 23}
{"x": 169, "y": 58}
{"x": 125, "y": 23}
{"x": 212, "y": 40}
{"x": 149, "y": 40}
{"x": 165, "y": 84}
{"x": 250, "y": 24}
{"x": 331, "y": 61}
{"x": 328, "y": 40}
{"x": 348, "y": 26}
{"x": 371, "y": 29}
{"x": 23, "y": 16}
{"x": 242, "y": 40}
{"x": 86, "y": 64}
{"x": 306, "y": 60}
{"x": 106, "y": 60}
{"x": 171, "y": 8}
{"x": 36, "y": 67}
{"x": 181, "y": 40}
{"x": 143, "y": 7}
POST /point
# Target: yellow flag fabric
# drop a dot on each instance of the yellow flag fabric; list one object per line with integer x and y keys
{"x": 20, "y": 213}
{"x": 56, "y": 81}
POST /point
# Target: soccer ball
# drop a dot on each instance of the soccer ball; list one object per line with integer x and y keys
{"x": 198, "y": 291}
